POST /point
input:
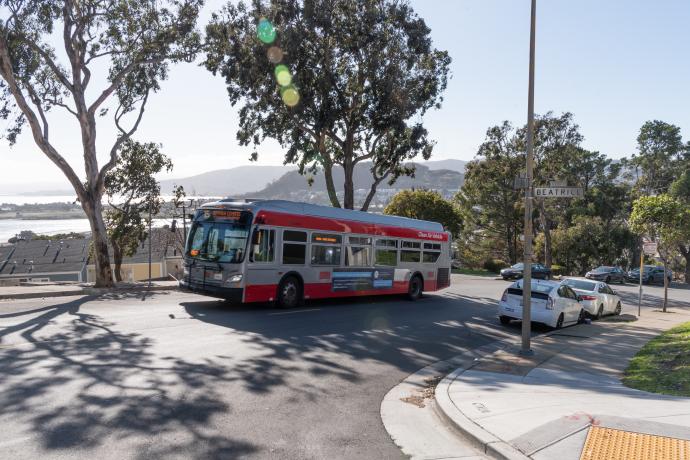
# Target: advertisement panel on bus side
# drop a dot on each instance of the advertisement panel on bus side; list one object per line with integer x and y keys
{"x": 362, "y": 279}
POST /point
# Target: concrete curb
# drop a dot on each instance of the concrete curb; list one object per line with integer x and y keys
{"x": 472, "y": 432}
{"x": 39, "y": 295}
{"x": 84, "y": 291}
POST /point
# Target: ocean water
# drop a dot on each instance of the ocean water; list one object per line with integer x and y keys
{"x": 11, "y": 227}
{"x": 37, "y": 199}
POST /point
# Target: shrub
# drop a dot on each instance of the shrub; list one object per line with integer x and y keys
{"x": 557, "y": 270}
{"x": 494, "y": 265}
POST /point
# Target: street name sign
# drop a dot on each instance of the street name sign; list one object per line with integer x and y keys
{"x": 558, "y": 192}
{"x": 649, "y": 248}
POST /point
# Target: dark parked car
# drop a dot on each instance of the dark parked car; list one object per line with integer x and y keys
{"x": 607, "y": 274}
{"x": 515, "y": 272}
{"x": 651, "y": 274}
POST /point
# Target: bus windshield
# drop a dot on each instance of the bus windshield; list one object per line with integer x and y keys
{"x": 218, "y": 241}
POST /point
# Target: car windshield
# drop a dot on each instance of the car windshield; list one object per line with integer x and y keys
{"x": 219, "y": 240}
{"x": 517, "y": 266}
{"x": 603, "y": 269}
{"x": 580, "y": 284}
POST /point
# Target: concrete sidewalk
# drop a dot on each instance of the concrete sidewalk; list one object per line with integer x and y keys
{"x": 40, "y": 290}
{"x": 542, "y": 407}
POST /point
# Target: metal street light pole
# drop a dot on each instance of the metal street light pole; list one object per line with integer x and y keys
{"x": 150, "y": 242}
{"x": 527, "y": 268}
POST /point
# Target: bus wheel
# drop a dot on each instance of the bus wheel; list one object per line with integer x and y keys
{"x": 414, "y": 291}
{"x": 289, "y": 293}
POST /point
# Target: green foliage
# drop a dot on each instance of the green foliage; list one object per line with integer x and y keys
{"x": 494, "y": 265}
{"x": 425, "y": 205}
{"x": 663, "y": 364}
{"x": 662, "y": 218}
{"x": 680, "y": 188}
{"x": 491, "y": 208}
{"x": 134, "y": 196}
{"x": 557, "y": 270}
{"x": 661, "y": 153}
{"x": 365, "y": 70}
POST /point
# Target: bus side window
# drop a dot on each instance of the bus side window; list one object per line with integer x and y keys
{"x": 386, "y": 252}
{"x": 294, "y": 247}
{"x": 263, "y": 247}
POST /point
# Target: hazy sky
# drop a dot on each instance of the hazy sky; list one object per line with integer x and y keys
{"x": 614, "y": 64}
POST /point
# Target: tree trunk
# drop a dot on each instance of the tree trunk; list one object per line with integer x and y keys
{"x": 686, "y": 254}
{"x": 370, "y": 196}
{"x": 117, "y": 261}
{"x": 372, "y": 191}
{"x": 546, "y": 226}
{"x": 665, "y": 285}
{"x": 348, "y": 185}
{"x": 330, "y": 185}
{"x": 327, "y": 163}
{"x": 94, "y": 212}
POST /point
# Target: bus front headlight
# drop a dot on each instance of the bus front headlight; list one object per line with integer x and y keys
{"x": 234, "y": 279}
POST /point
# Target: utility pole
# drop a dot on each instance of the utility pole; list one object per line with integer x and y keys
{"x": 527, "y": 268}
{"x": 150, "y": 241}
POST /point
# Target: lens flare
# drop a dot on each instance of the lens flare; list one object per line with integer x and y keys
{"x": 283, "y": 76}
{"x": 290, "y": 96}
{"x": 274, "y": 54}
{"x": 265, "y": 31}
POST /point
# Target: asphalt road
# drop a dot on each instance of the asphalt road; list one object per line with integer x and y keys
{"x": 183, "y": 376}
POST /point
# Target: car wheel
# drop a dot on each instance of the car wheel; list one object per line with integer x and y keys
{"x": 289, "y": 293}
{"x": 505, "y": 320}
{"x": 608, "y": 280}
{"x": 618, "y": 309}
{"x": 559, "y": 321}
{"x": 600, "y": 312}
{"x": 505, "y": 278}
{"x": 581, "y": 317}
{"x": 414, "y": 290}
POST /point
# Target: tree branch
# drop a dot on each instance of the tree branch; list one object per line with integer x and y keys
{"x": 7, "y": 74}
{"x": 120, "y": 140}
{"x": 48, "y": 60}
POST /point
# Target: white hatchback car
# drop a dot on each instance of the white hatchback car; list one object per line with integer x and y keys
{"x": 598, "y": 299}
{"x": 553, "y": 304}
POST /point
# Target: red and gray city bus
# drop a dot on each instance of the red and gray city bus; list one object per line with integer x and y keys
{"x": 286, "y": 252}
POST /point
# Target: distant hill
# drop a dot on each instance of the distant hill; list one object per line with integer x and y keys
{"x": 228, "y": 182}
{"x": 293, "y": 186}
{"x": 249, "y": 179}
{"x": 453, "y": 165}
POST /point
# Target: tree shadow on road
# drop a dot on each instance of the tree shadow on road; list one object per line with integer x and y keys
{"x": 326, "y": 338}
{"x": 78, "y": 384}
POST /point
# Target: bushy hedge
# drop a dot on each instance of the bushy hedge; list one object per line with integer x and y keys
{"x": 494, "y": 265}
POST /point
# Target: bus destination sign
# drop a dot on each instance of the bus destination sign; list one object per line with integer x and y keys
{"x": 226, "y": 214}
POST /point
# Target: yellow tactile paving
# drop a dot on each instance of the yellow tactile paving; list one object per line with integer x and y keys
{"x": 610, "y": 444}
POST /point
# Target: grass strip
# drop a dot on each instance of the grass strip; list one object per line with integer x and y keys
{"x": 663, "y": 364}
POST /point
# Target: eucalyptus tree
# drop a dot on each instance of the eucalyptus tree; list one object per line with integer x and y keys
{"x": 49, "y": 52}
{"x": 661, "y": 156}
{"x": 335, "y": 82}
{"x": 491, "y": 206}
